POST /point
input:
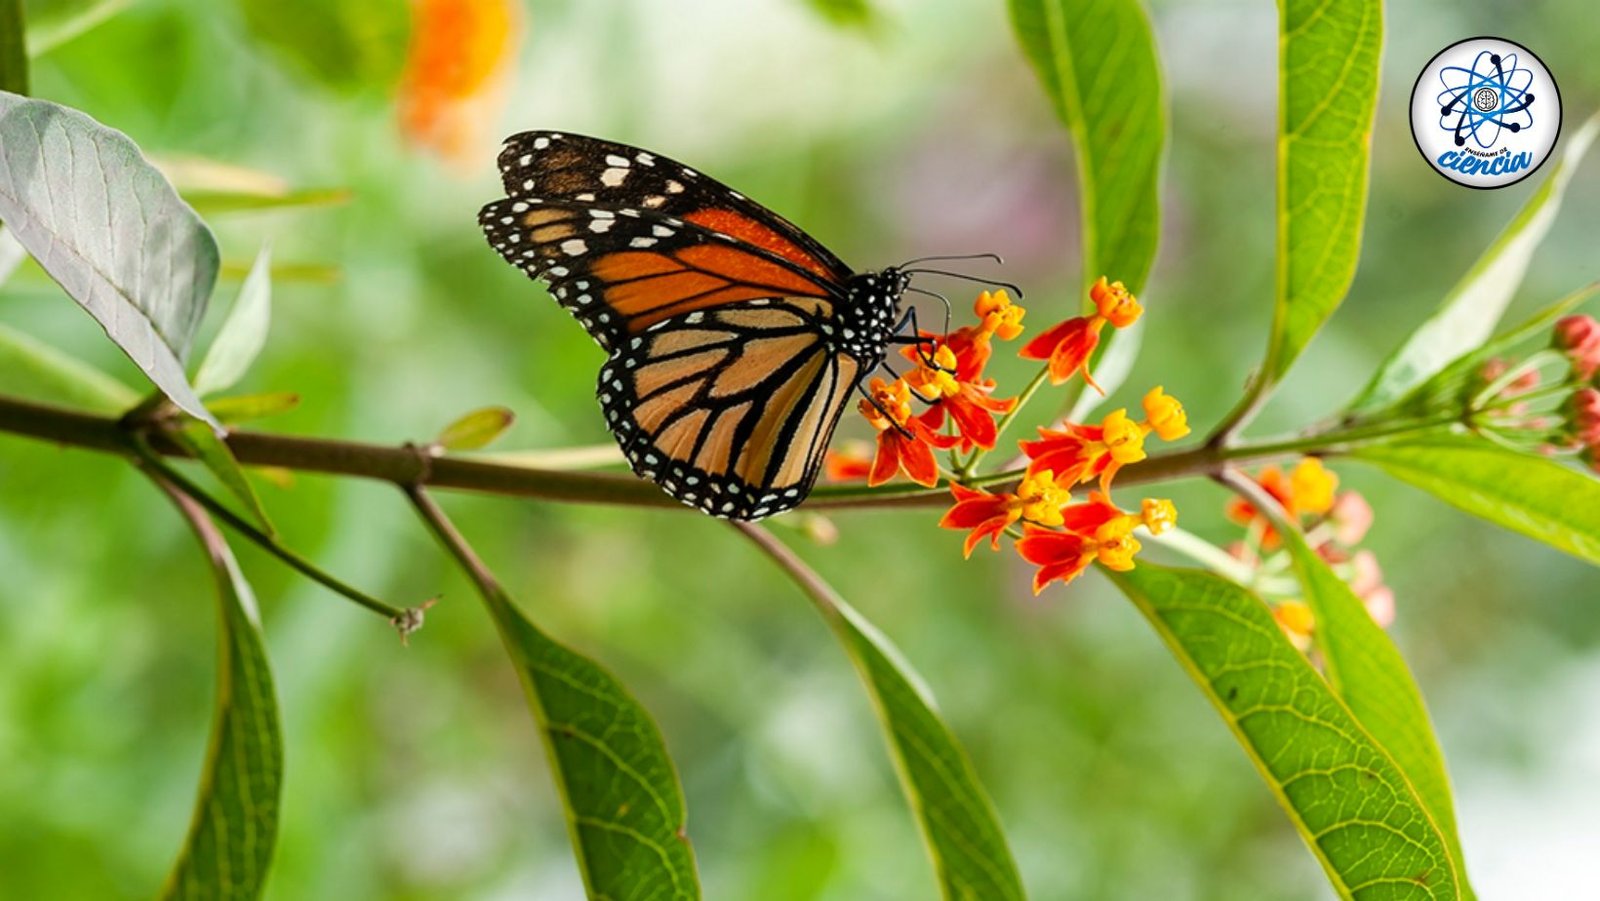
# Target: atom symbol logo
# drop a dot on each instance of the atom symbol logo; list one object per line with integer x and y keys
{"x": 1481, "y": 101}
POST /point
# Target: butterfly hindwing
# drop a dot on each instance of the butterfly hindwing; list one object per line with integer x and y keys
{"x": 731, "y": 409}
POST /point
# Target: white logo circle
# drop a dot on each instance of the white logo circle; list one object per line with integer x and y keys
{"x": 1485, "y": 112}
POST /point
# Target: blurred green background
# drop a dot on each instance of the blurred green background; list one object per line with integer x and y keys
{"x": 416, "y": 773}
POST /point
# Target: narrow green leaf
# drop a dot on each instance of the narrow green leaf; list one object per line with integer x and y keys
{"x": 1538, "y": 497}
{"x": 1454, "y": 386}
{"x": 32, "y": 368}
{"x": 235, "y": 825}
{"x": 61, "y": 22}
{"x": 217, "y": 202}
{"x": 109, "y": 228}
{"x": 1097, "y": 61}
{"x": 957, "y": 821}
{"x": 1367, "y": 672}
{"x": 243, "y": 333}
{"x": 214, "y": 454}
{"x": 845, "y": 13}
{"x": 1328, "y": 92}
{"x": 1348, "y": 799}
{"x": 623, "y": 803}
{"x": 1468, "y": 314}
{"x": 13, "y": 48}
{"x": 343, "y": 44}
{"x": 250, "y": 407}
{"x": 475, "y": 430}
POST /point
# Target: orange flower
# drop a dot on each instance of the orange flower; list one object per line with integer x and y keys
{"x": 1000, "y": 317}
{"x": 459, "y": 55}
{"x": 905, "y": 443}
{"x": 954, "y": 384}
{"x": 1296, "y": 621}
{"x": 850, "y": 465}
{"x": 1079, "y": 453}
{"x": 1308, "y": 489}
{"x": 1063, "y": 556}
{"x": 1093, "y": 530}
{"x": 1069, "y": 345}
{"x": 1038, "y": 500}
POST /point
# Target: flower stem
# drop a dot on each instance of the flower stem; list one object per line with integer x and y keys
{"x": 1004, "y": 423}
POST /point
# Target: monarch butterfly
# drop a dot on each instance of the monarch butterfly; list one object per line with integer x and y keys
{"x": 735, "y": 338}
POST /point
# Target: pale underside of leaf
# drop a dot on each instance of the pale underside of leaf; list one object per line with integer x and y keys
{"x": 243, "y": 333}
{"x": 106, "y": 226}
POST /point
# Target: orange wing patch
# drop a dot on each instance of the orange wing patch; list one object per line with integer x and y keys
{"x": 748, "y": 230}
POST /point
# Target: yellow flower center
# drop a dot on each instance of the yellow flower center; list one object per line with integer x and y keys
{"x": 1165, "y": 415}
{"x": 1115, "y": 544}
{"x": 1158, "y": 515}
{"x": 1040, "y": 499}
{"x": 1312, "y": 486}
{"x": 1114, "y": 303}
{"x": 1123, "y": 437}
{"x": 1000, "y": 316}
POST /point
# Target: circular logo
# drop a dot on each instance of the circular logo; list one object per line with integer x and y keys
{"x": 1485, "y": 112}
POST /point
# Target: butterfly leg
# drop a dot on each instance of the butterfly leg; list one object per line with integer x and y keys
{"x": 874, "y": 401}
{"x": 915, "y": 338}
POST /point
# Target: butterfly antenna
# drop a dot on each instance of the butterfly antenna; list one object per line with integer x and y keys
{"x": 967, "y": 256}
{"x": 993, "y": 283}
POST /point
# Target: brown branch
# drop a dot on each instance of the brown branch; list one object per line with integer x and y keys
{"x": 408, "y": 466}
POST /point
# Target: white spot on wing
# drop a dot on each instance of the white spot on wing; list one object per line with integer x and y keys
{"x": 574, "y": 247}
{"x": 613, "y": 178}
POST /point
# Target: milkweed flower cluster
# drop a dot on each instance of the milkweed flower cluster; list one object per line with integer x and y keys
{"x": 1059, "y": 534}
{"x": 1335, "y": 522}
{"x": 1578, "y": 339}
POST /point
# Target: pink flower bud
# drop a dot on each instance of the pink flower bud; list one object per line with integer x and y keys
{"x": 1579, "y": 338}
{"x": 1380, "y": 604}
{"x": 1351, "y": 517}
{"x": 1584, "y": 416}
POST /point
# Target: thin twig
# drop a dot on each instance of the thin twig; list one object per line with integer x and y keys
{"x": 164, "y": 473}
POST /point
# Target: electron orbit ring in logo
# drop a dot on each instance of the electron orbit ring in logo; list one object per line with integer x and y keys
{"x": 1485, "y": 112}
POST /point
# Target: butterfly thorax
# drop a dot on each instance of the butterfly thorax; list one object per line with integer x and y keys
{"x": 866, "y": 319}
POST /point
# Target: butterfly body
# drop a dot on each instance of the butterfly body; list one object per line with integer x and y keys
{"x": 735, "y": 339}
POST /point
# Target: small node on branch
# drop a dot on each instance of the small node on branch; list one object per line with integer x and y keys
{"x": 410, "y": 620}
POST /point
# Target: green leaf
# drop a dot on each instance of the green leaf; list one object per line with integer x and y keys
{"x": 1347, "y": 798}
{"x": 845, "y": 13}
{"x": 243, "y": 333}
{"x": 218, "y": 202}
{"x": 250, "y": 407}
{"x": 13, "y": 48}
{"x": 109, "y": 228}
{"x": 1097, "y": 61}
{"x": 958, "y": 822}
{"x": 1328, "y": 92}
{"x": 475, "y": 430}
{"x": 1539, "y": 497}
{"x": 1468, "y": 314}
{"x": 214, "y": 454}
{"x": 343, "y": 44}
{"x": 34, "y": 369}
{"x": 1453, "y": 387}
{"x": 1366, "y": 671}
{"x": 235, "y": 824}
{"x": 60, "y": 22}
{"x": 623, "y": 803}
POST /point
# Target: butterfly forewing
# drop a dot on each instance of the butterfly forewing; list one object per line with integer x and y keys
{"x": 557, "y": 166}
{"x": 730, "y": 410}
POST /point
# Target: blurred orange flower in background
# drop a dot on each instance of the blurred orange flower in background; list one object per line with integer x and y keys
{"x": 454, "y": 80}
